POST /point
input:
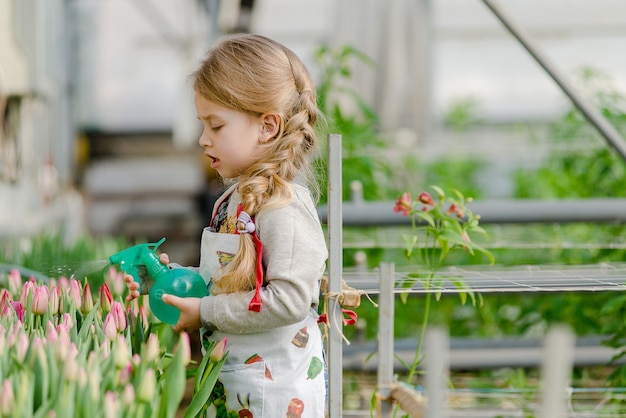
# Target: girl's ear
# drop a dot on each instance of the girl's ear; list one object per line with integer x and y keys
{"x": 270, "y": 125}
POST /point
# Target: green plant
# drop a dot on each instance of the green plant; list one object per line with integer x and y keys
{"x": 362, "y": 144}
{"x": 439, "y": 226}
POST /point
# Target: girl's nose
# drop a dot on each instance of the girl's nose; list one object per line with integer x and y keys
{"x": 204, "y": 140}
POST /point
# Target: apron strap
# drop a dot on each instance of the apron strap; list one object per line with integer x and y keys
{"x": 255, "y": 303}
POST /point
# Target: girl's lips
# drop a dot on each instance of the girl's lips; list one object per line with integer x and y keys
{"x": 214, "y": 161}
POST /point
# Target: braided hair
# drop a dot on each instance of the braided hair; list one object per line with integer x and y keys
{"x": 256, "y": 75}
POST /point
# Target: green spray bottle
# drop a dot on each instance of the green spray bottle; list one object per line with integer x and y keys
{"x": 181, "y": 281}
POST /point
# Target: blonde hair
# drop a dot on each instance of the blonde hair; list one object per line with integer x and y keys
{"x": 256, "y": 75}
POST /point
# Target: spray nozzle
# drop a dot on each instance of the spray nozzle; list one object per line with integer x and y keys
{"x": 131, "y": 258}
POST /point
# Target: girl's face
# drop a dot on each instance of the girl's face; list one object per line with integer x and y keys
{"x": 231, "y": 139}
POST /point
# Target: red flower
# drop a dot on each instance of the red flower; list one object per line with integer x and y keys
{"x": 403, "y": 204}
{"x": 426, "y": 199}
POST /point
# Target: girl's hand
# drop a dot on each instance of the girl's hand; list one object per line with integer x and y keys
{"x": 134, "y": 288}
{"x": 189, "y": 312}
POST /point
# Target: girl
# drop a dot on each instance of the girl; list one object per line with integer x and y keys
{"x": 264, "y": 251}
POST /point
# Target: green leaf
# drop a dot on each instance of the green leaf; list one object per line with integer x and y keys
{"x": 201, "y": 397}
{"x": 173, "y": 386}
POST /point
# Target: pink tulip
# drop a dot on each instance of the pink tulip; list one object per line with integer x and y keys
{"x": 21, "y": 346}
{"x": 119, "y": 315}
{"x": 51, "y": 332}
{"x": 5, "y": 300}
{"x": 7, "y": 399}
{"x": 74, "y": 292}
{"x": 152, "y": 349}
{"x": 403, "y": 204}
{"x": 105, "y": 298}
{"x": 219, "y": 350}
{"x": 54, "y": 302}
{"x": 86, "y": 304}
{"x": 67, "y": 320}
{"x": 40, "y": 300}
{"x": 27, "y": 289}
{"x": 19, "y": 310}
{"x": 116, "y": 279}
{"x": 109, "y": 328}
{"x": 15, "y": 282}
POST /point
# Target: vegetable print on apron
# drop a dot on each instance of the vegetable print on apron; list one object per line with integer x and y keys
{"x": 269, "y": 374}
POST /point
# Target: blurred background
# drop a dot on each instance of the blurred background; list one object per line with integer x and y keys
{"x": 98, "y": 132}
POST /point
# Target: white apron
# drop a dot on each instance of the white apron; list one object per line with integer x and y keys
{"x": 269, "y": 374}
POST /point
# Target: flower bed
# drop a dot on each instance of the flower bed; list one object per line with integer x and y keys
{"x": 71, "y": 352}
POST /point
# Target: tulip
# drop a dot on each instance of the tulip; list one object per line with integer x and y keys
{"x": 219, "y": 350}
{"x": 111, "y": 405}
{"x": 116, "y": 279}
{"x": 54, "y": 302}
{"x": 109, "y": 328}
{"x": 21, "y": 346}
{"x": 186, "y": 347}
{"x": 67, "y": 320}
{"x": 105, "y": 298}
{"x": 5, "y": 299}
{"x": 72, "y": 370}
{"x": 128, "y": 396}
{"x": 121, "y": 352}
{"x": 403, "y": 204}
{"x": 51, "y": 333}
{"x": 147, "y": 386}
{"x": 87, "y": 300}
{"x": 74, "y": 292}
{"x": 117, "y": 310}
{"x": 7, "y": 398}
{"x": 40, "y": 300}
{"x": 152, "y": 349}
{"x": 19, "y": 310}
{"x": 426, "y": 199}
{"x": 27, "y": 289}
{"x": 15, "y": 282}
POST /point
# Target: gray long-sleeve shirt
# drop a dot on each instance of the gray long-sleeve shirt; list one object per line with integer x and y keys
{"x": 294, "y": 259}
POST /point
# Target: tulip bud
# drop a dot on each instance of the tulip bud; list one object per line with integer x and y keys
{"x": 105, "y": 298}
{"x": 40, "y": 300}
{"x": 5, "y": 299}
{"x": 67, "y": 320}
{"x": 219, "y": 350}
{"x": 152, "y": 349}
{"x": 185, "y": 345}
{"x": 128, "y": 396}
{"x": 109, "y": 328}
{"x": 55, "y": 300}
{"x": 27, "y": 289}
{"x": 86, "y": 304}
{"x": 51, "y": 332}
{"x": 19, "y": 310}
{"x": 119, "y": 315}
{"x": 74, "y": 291}
{"x": 147, "y": 386}
{"x": 111, "y": 405}
{"x": 15, "y": 282}
{"x": 21, "y": 346}
{"x": 7, "y": 398}
{"x": 121, "y": 352}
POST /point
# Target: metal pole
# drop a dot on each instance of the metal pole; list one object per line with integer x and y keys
{"x": 335, "y": 267}
{"x": 556, "y": 372}
{"x": 437, "y": 359}
{"x": 385, "y": 338}
{"x": 607, "y": 130}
